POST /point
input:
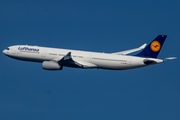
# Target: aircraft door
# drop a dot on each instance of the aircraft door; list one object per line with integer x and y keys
{"x": 129, "y": 61}
{"x": 43, "y": 53}
{"x": 14, "y": 51}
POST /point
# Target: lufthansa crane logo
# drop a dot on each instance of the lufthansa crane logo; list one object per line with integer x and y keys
{"x": 155, "y": 46}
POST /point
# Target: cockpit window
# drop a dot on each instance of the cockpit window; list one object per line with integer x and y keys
{"x": 7, "y": 48}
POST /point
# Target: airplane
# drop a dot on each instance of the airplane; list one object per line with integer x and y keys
{"x": 56, "y": 59}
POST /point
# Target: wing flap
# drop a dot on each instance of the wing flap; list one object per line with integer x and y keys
{"x": 86, "y": 64}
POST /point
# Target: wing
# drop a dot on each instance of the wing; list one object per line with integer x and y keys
{"x": 130, "y": 51}
{"x": 68, "y": 61}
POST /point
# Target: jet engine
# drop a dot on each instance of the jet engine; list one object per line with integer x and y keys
{"x": 51, "y": 65}
{"x": 150, "y": 61}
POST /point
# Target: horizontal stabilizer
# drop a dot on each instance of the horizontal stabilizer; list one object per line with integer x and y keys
{"x": 169, "y": 58}
{"x": 131, "y": 50}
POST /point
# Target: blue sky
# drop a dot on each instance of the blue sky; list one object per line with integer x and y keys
{"x": 27, "y": 92}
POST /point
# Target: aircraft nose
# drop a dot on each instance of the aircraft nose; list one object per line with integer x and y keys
{"x": 4, "y": 51}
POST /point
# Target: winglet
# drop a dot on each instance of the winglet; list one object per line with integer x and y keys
{"x": 67, "y": 57}
{"x": 143, "y": 46}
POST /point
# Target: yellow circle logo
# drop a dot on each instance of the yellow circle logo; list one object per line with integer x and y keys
{"x": 155, "y": 46}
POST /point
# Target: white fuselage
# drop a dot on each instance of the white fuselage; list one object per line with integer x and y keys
{"x": 88, "y": 59}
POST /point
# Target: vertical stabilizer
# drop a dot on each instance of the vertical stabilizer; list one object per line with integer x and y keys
{"x": 153, "y": 49}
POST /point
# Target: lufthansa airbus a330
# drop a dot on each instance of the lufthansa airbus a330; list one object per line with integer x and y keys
{"x": 56, "y": 59}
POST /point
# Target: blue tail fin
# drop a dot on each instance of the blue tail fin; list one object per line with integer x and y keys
{"x": 153, "y": 49}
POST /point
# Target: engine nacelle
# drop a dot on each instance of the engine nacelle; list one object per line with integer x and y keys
{"x": 51, "y": 65}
